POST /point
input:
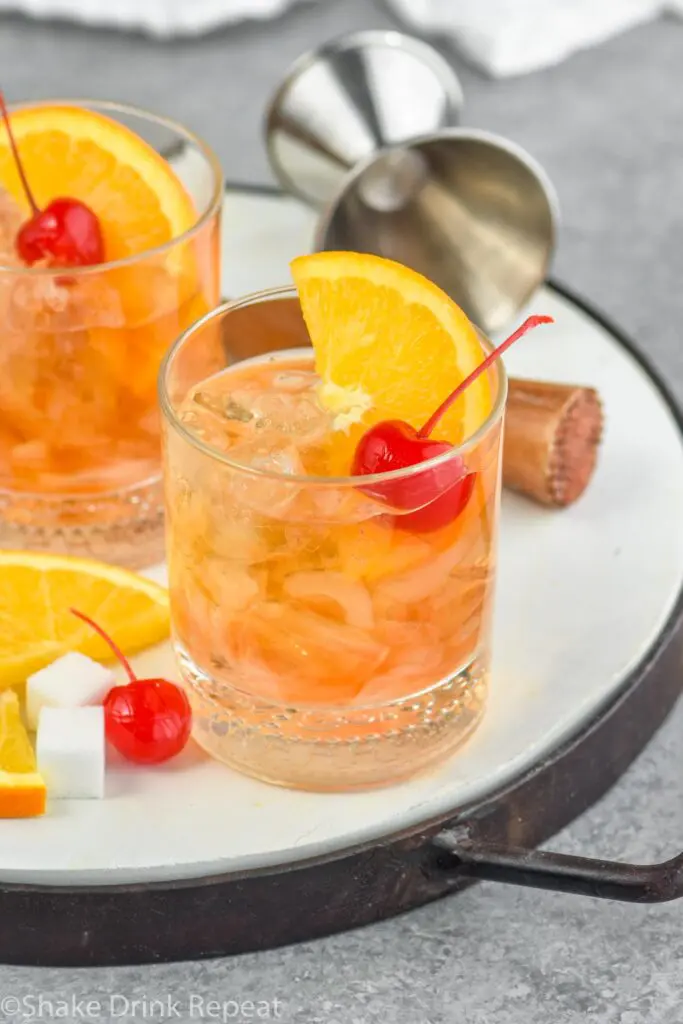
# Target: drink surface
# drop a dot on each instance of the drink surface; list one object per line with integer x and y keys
{"x": 310, "y": 591}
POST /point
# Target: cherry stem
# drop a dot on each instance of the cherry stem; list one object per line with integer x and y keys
{"x": 108, "y": 640}
{"x": 532, "y": 321}
{"x": 17, "y": 159}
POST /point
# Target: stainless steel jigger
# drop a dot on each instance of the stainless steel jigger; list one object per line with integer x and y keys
{"x": 350, "y": 98}
{"x": 470, "y": 210}
{"x": 366, "y": 125}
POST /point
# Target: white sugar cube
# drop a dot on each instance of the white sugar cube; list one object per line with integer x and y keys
{"x": 70, "y": 749}
{"x": 72, "y": 681}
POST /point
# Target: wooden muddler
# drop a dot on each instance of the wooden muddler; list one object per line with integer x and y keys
{"x": 552, "y": 435}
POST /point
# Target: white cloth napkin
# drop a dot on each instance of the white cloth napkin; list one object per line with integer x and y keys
{"x": 503, "y": 37}
{"x": 162, "y": 18}
{"x": 510, "y": 37}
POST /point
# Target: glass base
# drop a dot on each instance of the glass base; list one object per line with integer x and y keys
{"x": 126, "y": 530}
{"x": 334, "y": 749}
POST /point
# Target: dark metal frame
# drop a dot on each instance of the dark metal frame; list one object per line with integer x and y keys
{"x": 494, "y": 839}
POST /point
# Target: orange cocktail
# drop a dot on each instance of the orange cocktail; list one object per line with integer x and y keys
{"x": 328, "y": 638}
{"x": 81, "y": 345}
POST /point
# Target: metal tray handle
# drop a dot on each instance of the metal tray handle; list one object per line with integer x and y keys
{"x": 461, "y": 857}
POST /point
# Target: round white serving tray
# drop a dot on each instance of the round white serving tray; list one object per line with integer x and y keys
{"x": 583, "y": 595}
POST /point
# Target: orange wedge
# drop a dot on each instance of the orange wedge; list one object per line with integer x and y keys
{"x": 22, "y": 790}
{"x": 36, "y": 627}
{"x": 76, "y": 152}
{"x": 16, "y": 752}
{"x": 22, "y": 795}
{"x": 388, "y": 344}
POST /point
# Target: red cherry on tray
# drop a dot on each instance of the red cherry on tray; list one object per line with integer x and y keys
{"x": 438, "y": 494}
{"x": 147, "y": 720}
{"x": 66, "y": 233}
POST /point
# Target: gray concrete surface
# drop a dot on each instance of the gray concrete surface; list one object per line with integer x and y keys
{"x": 608, "y": 126}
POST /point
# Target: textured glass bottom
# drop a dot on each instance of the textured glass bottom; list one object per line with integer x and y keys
{"x": 340, "y": 748}
{"x": 125, "y": 530}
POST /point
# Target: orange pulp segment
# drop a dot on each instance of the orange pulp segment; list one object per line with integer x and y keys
{"x": 389, "y": 344}
{"x": 76, "y": 152}
{"x": 22, "y": 795}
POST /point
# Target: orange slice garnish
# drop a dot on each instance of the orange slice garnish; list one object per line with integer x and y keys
{"x": 389, "y": 344}
{"x": 76, "y": 152}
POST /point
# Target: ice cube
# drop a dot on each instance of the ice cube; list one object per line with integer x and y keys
{"x": 427, "y": 579}
{"x": 270, "y": 496}
{"x": 25, "y": 373}
{"x": 295, "y": 415}
{"x": 11, "y": 217}
{"x": 56, "y": 303}
{"x": 72, "y": 681}
{"x": 325, "y": 590}
{"x": 216, "y": 419}
{"x": 404, "y": 677}
{"x": 55, "y": 387}
{"x": 340, "y": 505}
{"x": 294, "y": 381}
{"x": 149, "y": 291}
{"x": 227, "y": 584}
{"x": 313, "y": 655}
{"x": 286, "y": 462}
{"x": 225, "y": 407}
{"x": 281, "y": 408}
{"x": 80, "y": 396}
{"x": 70, "y": 749}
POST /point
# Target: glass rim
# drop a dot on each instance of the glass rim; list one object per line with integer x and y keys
{"x": 200, "y": 221}
{"x": 265, "y": 295}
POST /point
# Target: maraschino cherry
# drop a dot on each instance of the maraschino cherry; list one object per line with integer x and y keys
{"x": 147, "y": 720}
{"x": 66, "y": 233}
{"x": 439, "y": 494}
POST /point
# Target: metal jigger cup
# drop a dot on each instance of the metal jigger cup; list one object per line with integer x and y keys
{"x": 366, "y": 127}
{"x": 354, "y": 96}
{"x": 470, "y": 210}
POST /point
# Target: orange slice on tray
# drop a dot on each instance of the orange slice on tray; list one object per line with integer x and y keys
{"x": 22, "y": 795}
{"x": 36, "y": 626}
{"x": 76, "y": 152}
{"x": 22, "y": 790}
{"x": 389, "y": 344}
